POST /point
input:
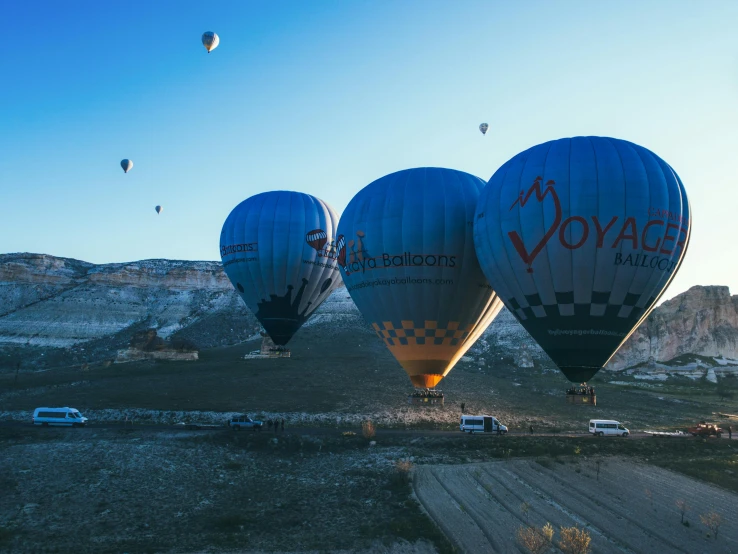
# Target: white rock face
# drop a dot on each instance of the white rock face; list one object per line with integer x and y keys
{"x": 703, "y": 320}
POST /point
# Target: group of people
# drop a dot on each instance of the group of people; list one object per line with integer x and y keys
{"x": 277, "y": 424}
{"x": 581, "y": 390}
{"x": 427, "y": 393}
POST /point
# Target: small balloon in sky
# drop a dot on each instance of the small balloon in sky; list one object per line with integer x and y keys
{"x": 210, "y": 40}
{"x": 158, "y": 209}
{"x": 483, "y": 127}
{"x": 126, "y": 165}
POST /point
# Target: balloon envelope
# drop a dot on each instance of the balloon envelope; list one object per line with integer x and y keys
{"x": 407, "y": 257}
{"x": 483, "y": 127}
{"x": 210, "y": 40}
{"x": 158, "y": 209}
{"x": 126, "y": 165}
{"x": 580, "y": 237}
{"x": 270, "y": 254}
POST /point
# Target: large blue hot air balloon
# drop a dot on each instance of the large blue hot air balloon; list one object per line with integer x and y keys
{"x": 406, "y": 253}
{"x": 580, "y": 237}
{"x": 278, "y": 250}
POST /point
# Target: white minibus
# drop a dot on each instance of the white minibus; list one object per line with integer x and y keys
{"x": 68, "y": 417}
{"x": 481, "y": 424}
{"x": 602, "y": 427}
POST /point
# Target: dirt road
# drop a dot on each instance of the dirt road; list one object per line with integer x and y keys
{"x": 631, "y": 508}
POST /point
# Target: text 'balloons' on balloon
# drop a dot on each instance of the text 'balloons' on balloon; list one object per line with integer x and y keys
{"x": 127, "y": 165}
{"x": 158, "y": 209}
{"x": 279, "y": 252}
{"x": 210, "y": 41}
{"x": 406, "y": 252}
{"x": 483, "y": 128}
{"x": 580, "y": 237}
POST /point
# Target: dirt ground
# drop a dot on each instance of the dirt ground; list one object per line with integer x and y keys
{"x": 631, "y": 508}
{"x": 139, "y": 491}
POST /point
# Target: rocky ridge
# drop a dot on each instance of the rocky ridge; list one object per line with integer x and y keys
{"x": 60, "y": 311}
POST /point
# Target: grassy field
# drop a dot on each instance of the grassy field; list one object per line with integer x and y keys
{"x": 359, "y": 376}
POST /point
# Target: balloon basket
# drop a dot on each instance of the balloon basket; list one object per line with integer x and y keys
{"x": 279, "y": 353}
{"x": 582, "y": 399}
{"x": 428, "y": 397}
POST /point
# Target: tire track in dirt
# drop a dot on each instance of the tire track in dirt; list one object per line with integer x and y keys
{"x": 445, "y": 511}
{"x": 478, "y": 506}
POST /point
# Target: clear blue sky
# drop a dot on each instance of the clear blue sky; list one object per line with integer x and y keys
{"x": 324, "y": 97}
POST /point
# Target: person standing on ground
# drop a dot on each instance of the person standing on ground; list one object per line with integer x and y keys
{"x": 462, "y": 407}
{"x": 282, "y": 425}
{"x": 530, "y": 429}
{"x": 730, "y": 431}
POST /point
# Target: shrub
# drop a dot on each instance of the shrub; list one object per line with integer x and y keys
{"x": 536, "y": 540}
{"x": 712, "y": 521}
{"x": 574, "y": 540}
{"x": 368, "y": 430}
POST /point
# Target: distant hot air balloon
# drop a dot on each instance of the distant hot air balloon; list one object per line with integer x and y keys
{"x": 278, "y": 252}
{"x": 407, "y": 257}
{"x": 483, "y": 127}
{"x": 158, "y": 209}
{"x": 210, "y": 40}
{"x": 126, "y": 165}
{"x": 580, "y": 237}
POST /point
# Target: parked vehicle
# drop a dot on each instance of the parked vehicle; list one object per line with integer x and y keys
{"x": 602, "y": 427}
{"x": 481, "y": 424}
{"x": 66, "y": 417}
{"x": 245, "y": 422}
{"x": 703, "y": 429}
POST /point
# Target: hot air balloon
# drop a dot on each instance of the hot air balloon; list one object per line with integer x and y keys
{"x": 210, "y": 40}
{"x": 158, "y": 209}
{"x": 483, "y": 127}
{"x": 407, "y": 257}
{"x": 580, "y": 237}
{"x": 126, "y": 165}
{"x": 273, "y": 252}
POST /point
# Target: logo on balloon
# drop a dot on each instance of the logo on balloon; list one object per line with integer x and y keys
{"x": 318, "y": 240}
{"x": 359, "y": 259}
{"x": 662, "y": 235}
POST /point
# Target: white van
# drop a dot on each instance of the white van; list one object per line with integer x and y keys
{"x": 68, "y": 417}
{"x": 481, "y": 424}
{"x": 602, "y": 427}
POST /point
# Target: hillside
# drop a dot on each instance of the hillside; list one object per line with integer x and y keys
{"x": 59, "y": 312}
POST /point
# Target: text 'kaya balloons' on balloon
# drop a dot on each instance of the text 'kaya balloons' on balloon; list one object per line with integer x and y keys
{"x": 406, "y": 252}
{"x": 278, "y": 251}
{"x": 580, "y": 237}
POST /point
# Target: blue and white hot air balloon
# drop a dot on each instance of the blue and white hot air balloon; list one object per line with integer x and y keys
{"x": 406, "y": 252}
{"x": 210, "y": 41}
{"x": 127, "y": 165}
{"x": 278, "y": 249}
{"x": 580, "y": 237}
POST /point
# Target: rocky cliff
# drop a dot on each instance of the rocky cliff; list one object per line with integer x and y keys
{"x": 703, "y": 321}
{"x": 57, "y": 311}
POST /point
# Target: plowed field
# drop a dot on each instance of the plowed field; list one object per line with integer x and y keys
{"x": 630, "y": 508}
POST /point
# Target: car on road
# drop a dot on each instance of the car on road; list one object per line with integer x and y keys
{"x": 602, "y": 427}
{"x": 481, "y": 424}
{"x": 703, "y": 429}
{"x": 245, "y": 422}
{"x": 63, "y": 417}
